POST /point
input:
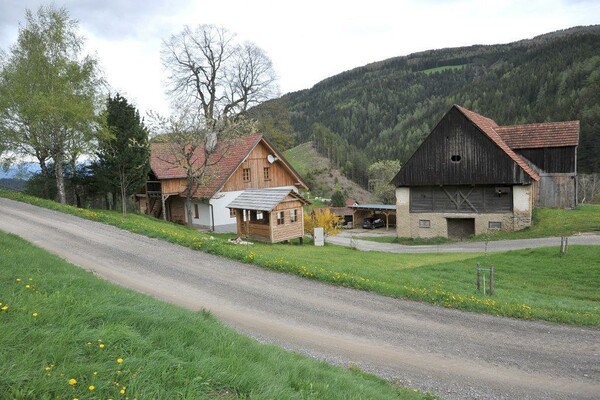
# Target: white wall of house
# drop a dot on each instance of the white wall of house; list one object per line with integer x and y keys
{"x": 522, "y": 199}
{"x": 220, "y": 201}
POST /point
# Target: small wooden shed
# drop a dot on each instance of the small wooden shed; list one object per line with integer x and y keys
{"x": 271, "y": 215}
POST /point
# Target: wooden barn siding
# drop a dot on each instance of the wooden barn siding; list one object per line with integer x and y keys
{"x": 556, "y": 191}
{"x": 483, "y": 198}
{"x": 552, "y": 159}
{"x": 482, "y": 161}
{"x": 256, "y": 161}
{"x": 177, "y": 209}
{"x": 173, "y": 186}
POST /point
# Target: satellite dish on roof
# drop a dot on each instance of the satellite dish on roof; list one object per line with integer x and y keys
{"x": 271, "y": 158}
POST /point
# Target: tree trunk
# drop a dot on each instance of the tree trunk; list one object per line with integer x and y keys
{"x": 46, "y": 175}
{"x": 123, "y": 193}
{"x": 188, "y": 210}
{"x": 60, "y": 180}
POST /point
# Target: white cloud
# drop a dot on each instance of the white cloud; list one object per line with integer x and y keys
{"x": 308, "y": 41}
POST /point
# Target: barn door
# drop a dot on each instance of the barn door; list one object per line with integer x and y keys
{"x": 461, "y": 228}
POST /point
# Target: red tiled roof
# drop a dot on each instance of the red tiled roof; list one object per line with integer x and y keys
{"x": 488, "y": 127}
{"x": 165, "y": 161}
{"x": 548, "y": 134}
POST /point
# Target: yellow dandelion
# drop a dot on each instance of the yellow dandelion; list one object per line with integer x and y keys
{"x": 27, "y": 286}
{"x": 91, "y": 387}
{"x": 72, "y": 381}
{"x": 18, "y": 279}
{"x": 5, "y": 308}
{"x": 101, "y": 345}
{"x": 119, "y": 360}
{"x": 34, "y": 314}
{"x": 47, "y": 368}
{"x": 122, "y": 391}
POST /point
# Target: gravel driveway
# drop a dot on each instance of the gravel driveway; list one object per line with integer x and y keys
{"x": 348, "y": 239}
{"x": 455, "y": 354}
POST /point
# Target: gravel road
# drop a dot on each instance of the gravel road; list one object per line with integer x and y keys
{"x": 348, "y": 239}
{"x": 455, "y": 354}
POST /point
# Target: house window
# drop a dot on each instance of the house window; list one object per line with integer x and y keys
{"x": 293, "y": 216}
{"x": 280, "y": 218}
{"x": 495, "y": 225}
{"x": 232, "y": 213}
{"x": 455, "y": 158}
{"x": 196, "y": 211}
{"x": 267, "y": 173}
{"x": 246, "y": 174}
{"x": 424, "y": 223}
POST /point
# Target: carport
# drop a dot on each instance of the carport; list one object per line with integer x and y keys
{"x": 362, "y": 210}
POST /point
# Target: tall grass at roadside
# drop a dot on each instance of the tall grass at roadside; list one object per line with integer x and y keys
{"x": 67, "y": 334}
{"x": 527, "y": 281}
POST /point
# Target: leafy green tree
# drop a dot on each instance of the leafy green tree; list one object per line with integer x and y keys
{"x": 380, "y": 175}
{"x": 338, "y": 199}
{"x": 47, "y": 92}
{"x": 123, "y": 152}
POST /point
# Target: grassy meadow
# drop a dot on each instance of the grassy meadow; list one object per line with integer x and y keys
{"x": 530, "y": 284}
{"x": 69, "y": 335}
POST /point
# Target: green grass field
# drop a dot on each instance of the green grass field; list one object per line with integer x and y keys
{"x": 530, "y": 284}
{"x": 69, "y": 335}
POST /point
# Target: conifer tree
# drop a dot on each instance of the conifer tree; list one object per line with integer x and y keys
{"x": 123, "y": 151}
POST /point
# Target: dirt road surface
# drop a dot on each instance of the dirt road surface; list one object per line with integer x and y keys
{"x": 349, "y": 239}
{"x": 455, "y": 354}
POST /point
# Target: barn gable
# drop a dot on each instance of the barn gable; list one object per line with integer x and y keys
{"x": 464, "y": 148}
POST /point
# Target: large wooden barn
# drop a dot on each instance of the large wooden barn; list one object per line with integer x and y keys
{"x": 470, "y": 176}
{"x": 249, "y": 162}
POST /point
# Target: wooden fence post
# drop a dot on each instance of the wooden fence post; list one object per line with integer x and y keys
{"x": 478, "y": 277}
{"x": 491, "y": 280}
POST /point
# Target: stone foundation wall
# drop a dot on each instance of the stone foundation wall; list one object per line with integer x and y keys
{"x": 438, "y": 224}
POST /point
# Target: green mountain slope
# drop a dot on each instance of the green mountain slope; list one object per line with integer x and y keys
{"x": 384, "y": 110}
{"x": 323, "y": 178}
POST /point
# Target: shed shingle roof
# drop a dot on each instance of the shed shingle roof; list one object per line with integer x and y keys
{"x": 165, "y": 161}
{"x": 548, "y": 134}
{"x": 489, "y": 127}
{"x": 264, "y": 199}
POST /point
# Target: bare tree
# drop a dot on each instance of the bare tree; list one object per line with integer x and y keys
{"x": 207, "y": 69}
{"x": 184, "y": 137}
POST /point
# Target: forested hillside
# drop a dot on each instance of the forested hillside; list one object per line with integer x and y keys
{"x": 384, "y": 110}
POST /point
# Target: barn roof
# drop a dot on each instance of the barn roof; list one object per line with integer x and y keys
{"x": 547, "y": 134}
{"x": 489, "y": 128}
{"x": 166, "y": 160}
{"x": 264, "y": 199}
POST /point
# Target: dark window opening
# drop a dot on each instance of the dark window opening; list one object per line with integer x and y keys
{"x": 455, "y": 158}
{"x": 196, "y": 211}
{"x": 246, "y": 174}
{"x": 280, "y": 218}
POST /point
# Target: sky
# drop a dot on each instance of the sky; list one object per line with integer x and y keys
{"x": 307, "y": 40}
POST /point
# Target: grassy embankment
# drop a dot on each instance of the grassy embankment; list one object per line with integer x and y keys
{"x": 547, "y": 222}
{"x": 67, "y": 334}
{"x": 530, "y": 284}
